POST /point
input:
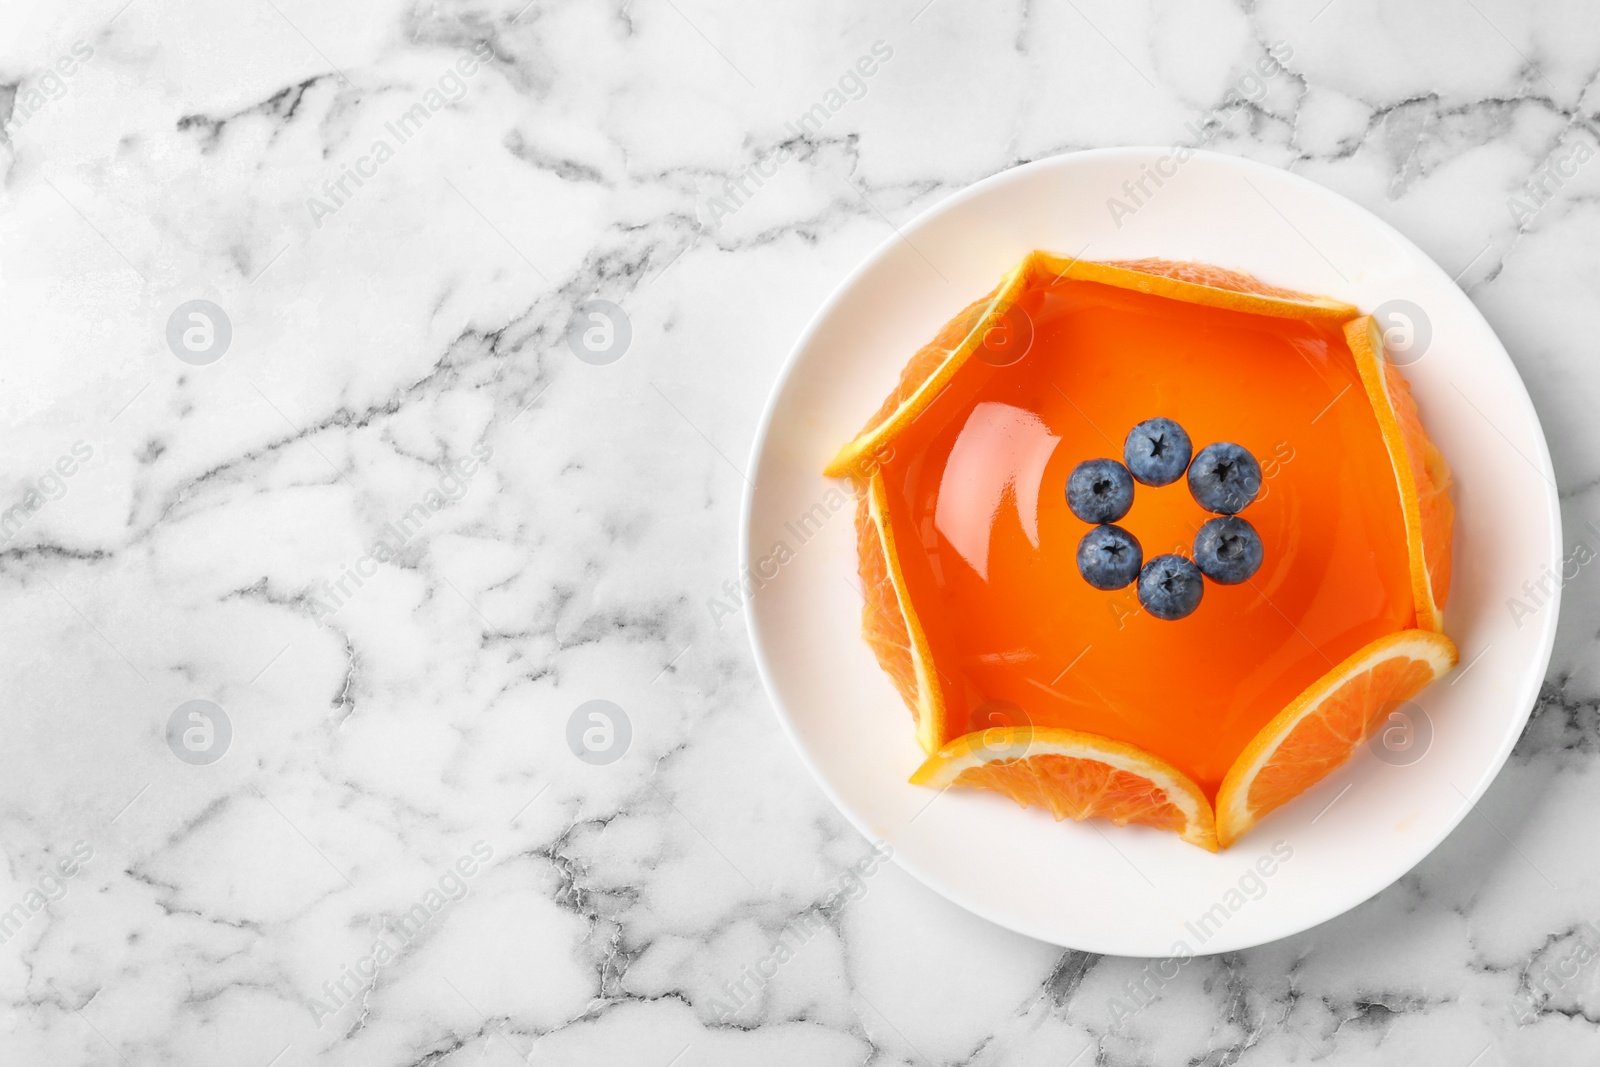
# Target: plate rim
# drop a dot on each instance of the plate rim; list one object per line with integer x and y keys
{"x": 1523, "y": 698}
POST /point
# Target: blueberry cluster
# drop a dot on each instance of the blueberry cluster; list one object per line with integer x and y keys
{"x": 1224, "y": 479}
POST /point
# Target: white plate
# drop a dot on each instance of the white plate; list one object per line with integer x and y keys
{"x": 1130, "y": 890}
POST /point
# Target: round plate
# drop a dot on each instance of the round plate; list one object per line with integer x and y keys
{"x": 1094, "y": 886}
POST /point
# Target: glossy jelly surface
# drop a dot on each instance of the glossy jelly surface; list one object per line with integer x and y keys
{"x": 1020, "y": 638}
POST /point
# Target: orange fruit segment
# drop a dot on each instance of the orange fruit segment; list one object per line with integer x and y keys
{"x": 1322, "y": 728}
{"x": 1075, "y": 775}
{"x": 888, "y": 621}
{"x": 928, "y": 372}
{"x": 1420, "y": 471}
{"x": 1199, "y": 283}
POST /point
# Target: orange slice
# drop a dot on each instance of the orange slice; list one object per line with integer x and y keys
{"x": 1322, "y": 727}
{"x": 928, "y": 372}
{"x": 888, "y": 622}
{"x": 1075, "y": 775}
{"x": 1419, "y": 469}
{"x": 1200, "y": 283}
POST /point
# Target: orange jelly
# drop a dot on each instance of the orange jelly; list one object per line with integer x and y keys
{"x": 1021, "y": 639}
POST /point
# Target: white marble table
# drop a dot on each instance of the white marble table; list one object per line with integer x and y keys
{"x": 373, "y": 511}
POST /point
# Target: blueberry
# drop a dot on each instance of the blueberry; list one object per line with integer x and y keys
{"x": 1228, "y": 550}
{"x": 1157, "y": 451}
{"x": 1099, "y": 490}
{"x": 1170, "y": 587}
{"x": 1224, "y": 478}
{"x": 1109, "y": 557}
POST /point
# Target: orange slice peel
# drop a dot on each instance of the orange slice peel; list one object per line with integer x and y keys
{"x": 1199, "y": 283}
{"x": 1323, "y": 727}
{"x": 1420, "y": 471}
{"x": 929, "y": 371}
{"x": 889, "y": 623}
{"x": 1075, "y": 775}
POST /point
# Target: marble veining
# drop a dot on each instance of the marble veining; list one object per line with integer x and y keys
{"x": 428, "y": 506}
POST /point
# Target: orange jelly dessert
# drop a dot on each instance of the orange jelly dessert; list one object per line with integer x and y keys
{"x": 1026, "y": 679}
